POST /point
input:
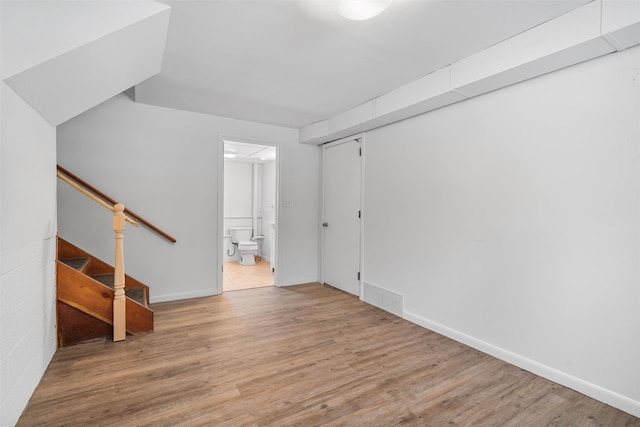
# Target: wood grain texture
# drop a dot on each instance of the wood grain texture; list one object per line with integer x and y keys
{"x": 305, "y": 355}
{"x": 89, "y": 296}
{"x": 119, "y": 302}
{"x": 75, "y": 327}
{"x": 84, "y": 293}
{"x": 139, "y": 317}
{"x": 95, "y": 265}
{"x": 236, "y": 276}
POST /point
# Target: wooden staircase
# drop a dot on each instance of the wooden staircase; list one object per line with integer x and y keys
{"x": 85, "y": 296}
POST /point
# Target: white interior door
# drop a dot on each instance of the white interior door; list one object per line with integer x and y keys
{"x": 341, "y": 222}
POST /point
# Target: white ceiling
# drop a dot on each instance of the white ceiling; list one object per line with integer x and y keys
{"x": 295, "y": 62}
{"x": 248, "y": 153}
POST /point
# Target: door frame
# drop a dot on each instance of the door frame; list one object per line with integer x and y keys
{"x": 220, "y": 227}
{"x": 361, "y": 138}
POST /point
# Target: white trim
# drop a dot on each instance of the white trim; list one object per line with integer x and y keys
{"x": 220, "y": 240}
{"x": 599, "y": 393}
{"x": 180, "y": 296}
{"x": 276, "y": 245}
{"x": 362, "y": 214}
{"x": 298, "y": 282}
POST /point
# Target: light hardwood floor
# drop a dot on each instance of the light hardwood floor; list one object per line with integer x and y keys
{"x": 305, "y": 355}
{"x": 236, "y": 276}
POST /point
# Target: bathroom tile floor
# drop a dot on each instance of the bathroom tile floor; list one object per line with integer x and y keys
{"x": 236, "y": 276}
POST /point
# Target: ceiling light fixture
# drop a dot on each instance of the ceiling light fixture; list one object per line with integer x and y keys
{"x": 360, "y": 10}
{"x": 229, "y": 155}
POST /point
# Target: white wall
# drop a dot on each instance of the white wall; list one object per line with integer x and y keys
{"x": 510, "y": 221}
{"x": 163, "y": 164}
{"x": 238, "y": 189}
{"x": 28, "y": 158}
{"x": 27, "y": 252}
{"x": 238, "y": 202}
{"x": 77, "y": 39}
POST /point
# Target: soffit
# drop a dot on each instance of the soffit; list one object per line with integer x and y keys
{"x": 292, "y": 63}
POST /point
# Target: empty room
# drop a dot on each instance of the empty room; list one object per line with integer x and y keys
{"x": 444, "y": 196}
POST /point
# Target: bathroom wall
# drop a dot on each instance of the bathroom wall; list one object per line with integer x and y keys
{"x": 238, "y": 202}
{"x": 238, "y": 189}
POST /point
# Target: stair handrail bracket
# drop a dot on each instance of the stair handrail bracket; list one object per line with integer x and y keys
{"x": 119, "y": 302}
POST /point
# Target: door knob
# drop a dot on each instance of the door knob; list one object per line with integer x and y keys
{"x": 325, "y": 225}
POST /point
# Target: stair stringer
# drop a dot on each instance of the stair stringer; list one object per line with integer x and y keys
{"x": 96, "y": 265}
{"x": 85, "y": 305}
{"x": 91, "y": 297}
{"x": 84, "y": 293}
{"x": 79, "y": 327}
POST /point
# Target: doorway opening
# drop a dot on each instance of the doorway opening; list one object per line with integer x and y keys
{"x": 249, "y": 218}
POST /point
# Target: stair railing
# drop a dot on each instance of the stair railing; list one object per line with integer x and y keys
{"x": 94, "y": 198}
{"x": 103, "y": 197}
{"x": 119, "y": 220}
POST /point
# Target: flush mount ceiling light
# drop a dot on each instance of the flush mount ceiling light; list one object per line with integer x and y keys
{"x": 360, "y": 10}
{"x": 229, "y": 155}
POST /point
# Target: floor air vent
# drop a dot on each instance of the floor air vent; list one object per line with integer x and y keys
{"x": 382, "y": 298}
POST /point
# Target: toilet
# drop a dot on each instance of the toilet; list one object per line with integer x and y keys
{"x": 247, "y": 247}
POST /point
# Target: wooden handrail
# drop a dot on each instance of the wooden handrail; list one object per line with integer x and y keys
{"x": 94, "y": 198}
{"x": 102, "y": 195}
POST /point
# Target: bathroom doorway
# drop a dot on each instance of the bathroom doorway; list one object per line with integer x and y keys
{"x": 249, "y": 215}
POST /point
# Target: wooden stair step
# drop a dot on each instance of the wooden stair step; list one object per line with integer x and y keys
{"x": 76, "y": 263}
{"x": 85, "y": 306}
{"x": 105, "y": 279}
{"x": 136, "y": 294}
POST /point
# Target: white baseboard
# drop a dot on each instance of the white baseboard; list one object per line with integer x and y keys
{"x": 180, "y": 296}
{"x": 609, "y": 397}
{"x": 298, "y": 282}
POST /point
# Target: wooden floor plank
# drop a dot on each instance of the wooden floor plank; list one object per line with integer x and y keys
{"x": 236, "y": 276}
{"x": 306, "y": 355}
